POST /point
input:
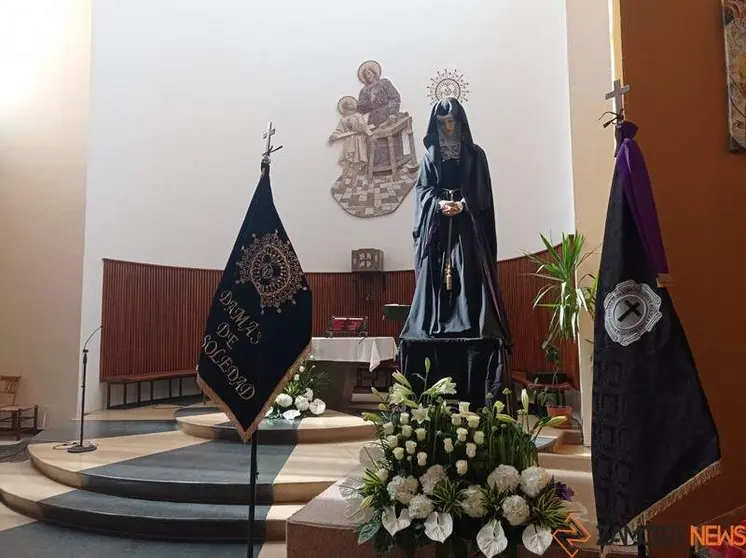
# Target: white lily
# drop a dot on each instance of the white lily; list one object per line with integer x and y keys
{"x": 524, "y": 400}
{"x": 446, "y": 386}
{"x": 420, "y": 414}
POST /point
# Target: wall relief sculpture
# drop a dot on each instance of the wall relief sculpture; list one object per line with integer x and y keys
{"x": 734, "y": 16}
{"x": 377, "y": 147}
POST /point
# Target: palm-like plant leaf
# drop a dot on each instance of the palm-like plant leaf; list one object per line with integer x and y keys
{"x": 563, "y": 295}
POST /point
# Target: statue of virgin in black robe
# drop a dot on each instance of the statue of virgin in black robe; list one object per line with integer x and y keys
{"x": 457, "y": 318}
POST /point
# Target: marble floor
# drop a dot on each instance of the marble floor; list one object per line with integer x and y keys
{"x": 173, "y": 480}
{"x": 149, "y": 480}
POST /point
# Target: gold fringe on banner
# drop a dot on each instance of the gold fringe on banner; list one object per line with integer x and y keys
{"x": 698, "y": 480}
{"x": 247, "y": 433}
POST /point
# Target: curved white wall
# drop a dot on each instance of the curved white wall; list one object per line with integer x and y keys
{"x": 182, "y": 90}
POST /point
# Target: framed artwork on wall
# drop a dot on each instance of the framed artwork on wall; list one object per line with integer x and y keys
{"x": 734, "y": 18}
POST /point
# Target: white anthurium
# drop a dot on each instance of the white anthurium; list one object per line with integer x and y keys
{"x": 393, "y": 524}
{"x": 370, "y": 454}
{"x": 537, "y": 539}
{"x": 291, "y": 414}
{"x": 355, "y": 513}
{"x": 491, "y": 539}
{"x": 438, "y": 526}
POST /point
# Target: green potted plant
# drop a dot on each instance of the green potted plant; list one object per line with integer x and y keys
{"x": 566, "y": 296}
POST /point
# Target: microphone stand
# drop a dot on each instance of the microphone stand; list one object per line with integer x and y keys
{"x": 81, "y": 447}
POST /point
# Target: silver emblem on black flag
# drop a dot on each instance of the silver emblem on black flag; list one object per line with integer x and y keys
{"x": 631, "y": 310}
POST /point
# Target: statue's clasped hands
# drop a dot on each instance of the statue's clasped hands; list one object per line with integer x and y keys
{"x": 451, "y": 208}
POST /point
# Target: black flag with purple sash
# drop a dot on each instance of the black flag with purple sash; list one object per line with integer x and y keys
{"x": 653, "y": 436}
{"x": 259, "y": 326}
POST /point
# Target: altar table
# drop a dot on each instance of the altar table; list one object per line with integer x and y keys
{"x": 342, "y": 356}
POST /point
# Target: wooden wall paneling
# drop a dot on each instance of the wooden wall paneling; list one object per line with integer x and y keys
{"x": 154, "y": 315}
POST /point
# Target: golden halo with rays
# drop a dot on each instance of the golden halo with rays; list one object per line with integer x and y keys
{"x": 368, "y": 65}
{"x": 341, "y": 102}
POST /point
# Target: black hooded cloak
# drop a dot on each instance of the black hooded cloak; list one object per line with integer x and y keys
{"x": 463, "y": 331}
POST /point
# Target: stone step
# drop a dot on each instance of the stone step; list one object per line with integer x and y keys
{"x": 570, "y": 457}
{"x": 174, "y": 467}
{"x": 332, "y": 426}
{"x": 27, "y": 491}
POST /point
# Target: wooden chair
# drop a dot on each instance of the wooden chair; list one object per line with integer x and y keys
{"x": 8, "y": 392}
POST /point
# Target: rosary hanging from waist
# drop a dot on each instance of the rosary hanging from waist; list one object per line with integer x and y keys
{"x": 448, "y": 265}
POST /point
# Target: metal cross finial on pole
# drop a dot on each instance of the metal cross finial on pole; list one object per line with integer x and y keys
{"x": 618, "y": 94}
{"x": 269, "y": 148}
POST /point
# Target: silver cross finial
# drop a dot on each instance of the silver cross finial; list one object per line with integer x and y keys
{"x": 268, "y": 136}
{"x": 618, "y": 94}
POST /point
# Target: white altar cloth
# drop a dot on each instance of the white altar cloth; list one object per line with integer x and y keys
{"x": 372, "y": 350}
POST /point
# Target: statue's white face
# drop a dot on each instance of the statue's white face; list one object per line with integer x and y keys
{"x": 449, "y": 125}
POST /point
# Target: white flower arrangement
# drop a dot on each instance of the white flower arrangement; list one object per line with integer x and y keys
{"x": 465, "y": 480}
{"x": 297, "y": 398}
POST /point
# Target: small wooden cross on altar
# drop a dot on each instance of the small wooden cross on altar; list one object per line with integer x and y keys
{"x": 618, "y": 94}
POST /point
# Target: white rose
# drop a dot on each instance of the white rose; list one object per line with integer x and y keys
{"x": 533, "y": 480}
{"x": 462, "y": 433}
{"x": 392, "y": 441}
{"x": 388, "y": 428}
{"x": 448, "y": 445}
{"x": 411, "y": 447}
{"x": 382, "y": 474}
{"x": 456, "y": 419}
{"x": 406, "y": 431}
{"x": 399, "y": 453}
{"x": 422, "y": 459}
{"x": 420, "y": 507}
{"x": 284, "y": 400}
{"x": 505, "y": 478}
{"x": 432, "y": 477}
{"x": 308, "y": 394}
{"x": 301, "y": 403}
{"x": 301, "y": 369}
{"x": 462, "y": 466}
{"x": 471, "y": 450}
{"x": 463, "y": 406}
{"x": 479, "y": 438}
{"x": 296, "y": 377}
{"x": 317, "y": 406}
{"x": 404, "y": 418}
{"x": 420, "y": 433}
{"x": 515, "y": 510}
{"x": 472, "y": 421}
{"x": 473, "y": 501}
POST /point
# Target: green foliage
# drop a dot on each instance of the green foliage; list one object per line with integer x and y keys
{"x": 549, "y": 510}
{"x": 367, "y": 531}
{"x": 446, "y": 496}
{"x": 564, "y": 295}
